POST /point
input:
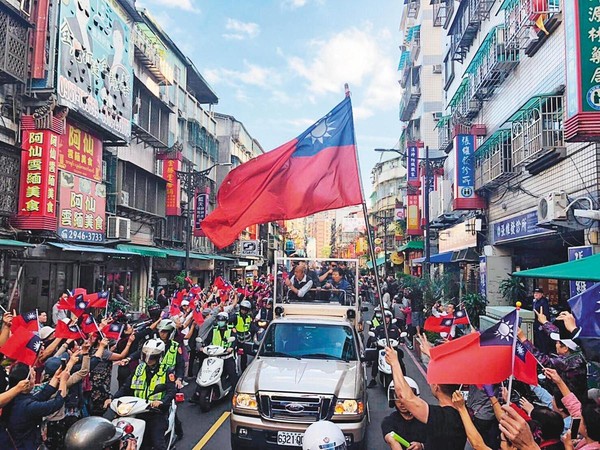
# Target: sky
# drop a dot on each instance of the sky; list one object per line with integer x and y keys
{"x": 278, "y": 66}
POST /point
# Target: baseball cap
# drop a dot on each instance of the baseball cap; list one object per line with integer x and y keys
{"x": 563, "y": 335}
{"x": 540, "y": 290}
{"x": 45, "y": 332}
{"x": 185, "y": 303}
{"x": 51, "y": 366}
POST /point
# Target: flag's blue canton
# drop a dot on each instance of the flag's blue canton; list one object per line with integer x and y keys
{"x": 447, "y": 322}
{"x": 34, "y": 344}
{"x": 460, "y": 313}
{"x": 502, "y": 333}
{"x": 31, "y": 315}
{"x": 80, "y": 303}
{"x": 520, "y": 351}
{"x": 334, "y": 130}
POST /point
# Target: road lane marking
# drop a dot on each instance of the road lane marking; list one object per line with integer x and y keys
{"x": 212, "y": 430}
{"x": 418, "y": 364}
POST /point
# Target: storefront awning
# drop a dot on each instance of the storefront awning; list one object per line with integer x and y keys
{"x": 143, "y": 250}
{"x": 378, "y": 261}
{"x": 7, "y": 244}
{"x": 585, "y": 269}
{"x": 439, "y": 258}
{"x": 411, "y": 245}
{"x": 91, "y": 249}
{"x": 175, "y": 253}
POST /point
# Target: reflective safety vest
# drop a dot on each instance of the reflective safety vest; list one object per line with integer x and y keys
{"x": 375, "y": 322}
{"x": 140, "y": 386}
{"x": 243, "y": 325}
{"x": 170, "y": 358}
{"x": 221, "y": 342}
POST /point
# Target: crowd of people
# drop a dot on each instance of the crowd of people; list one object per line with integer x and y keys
{"x": 69, "y": 380}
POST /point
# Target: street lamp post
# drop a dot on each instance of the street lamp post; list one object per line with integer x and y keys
{"x": 190, "y": 181}
{"x": 386, "y": 219}
{"x": 426, "y": 247}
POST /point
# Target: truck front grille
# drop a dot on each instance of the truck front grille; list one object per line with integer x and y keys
{"x": 294, "y": 407}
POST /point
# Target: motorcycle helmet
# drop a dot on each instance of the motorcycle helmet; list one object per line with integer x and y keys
{"x": 222, "y": 319}
{"x": 92, "y": 433}
{"x": 388, "y": 313}
{"x": 392, "y": 392}
{"x": 323, "y": 434}
{"x": 153, "y": 348}
{"x": 270, "y": 301}
{"x": 167, "y": 325}
{"x": 246, "y": 305}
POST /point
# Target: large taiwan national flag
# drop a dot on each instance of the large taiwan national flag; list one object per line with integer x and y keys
{"x": 22, "y": 346}
{"x": 29, "y": 321}
{"x": 315, "y": 172}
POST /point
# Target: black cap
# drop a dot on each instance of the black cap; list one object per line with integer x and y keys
{"x": 540, "y": 290}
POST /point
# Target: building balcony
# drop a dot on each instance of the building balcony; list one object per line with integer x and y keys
{"x": 148, "y": 53}
{"x": 444, "y": 128}
{"x": 464, "y": 29}
{"x": 538, "y": 131}
{"x": 491, "y": 64}
{"x": 411, "y": 96}
{"x": 14, "y": 37}
{"x": 442, "y": 12}
{"x": 464, "y": 104}
{"x": 413, "y": 8}
{"x": 520, "y": 16}
{"x": 493, "y": 161}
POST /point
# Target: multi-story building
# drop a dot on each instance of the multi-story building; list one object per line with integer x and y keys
{"x": 518, "y": 168}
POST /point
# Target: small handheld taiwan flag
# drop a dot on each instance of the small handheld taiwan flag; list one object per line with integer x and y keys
{"x": 461, "y": 317}
{"x": 439, "y": 324}
{"x": 29, "y": 321}
{"x": 98, "y": 299}
{"x": 66, "y": 331}
{"x": 22, "y": 346}
{"x": 88, "y": 324}
{"x": 113, "y": 331}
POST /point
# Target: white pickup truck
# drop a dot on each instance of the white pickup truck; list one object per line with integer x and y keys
{"x": 309, "y": 366}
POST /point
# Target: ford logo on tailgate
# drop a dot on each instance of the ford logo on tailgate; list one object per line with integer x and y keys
{"x": 294, "y": 408}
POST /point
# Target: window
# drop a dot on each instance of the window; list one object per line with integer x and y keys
{"x": 448, "y": 71}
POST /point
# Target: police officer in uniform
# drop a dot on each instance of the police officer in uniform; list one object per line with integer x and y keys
{"x": 243, "y": 325}
{"x": 143, "y": 383}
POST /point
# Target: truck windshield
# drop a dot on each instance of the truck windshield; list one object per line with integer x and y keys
{"x": 311, "y": 341}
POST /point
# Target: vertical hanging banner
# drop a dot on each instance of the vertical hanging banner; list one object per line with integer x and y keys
{"x": 412, "y": 175}
{"x": 80, "y": 152}
{"x": 82, "y": 211}
{"x": 413, "y": 216}
{"x": 577, "y": 287}
{"x": 582, "y": 41}
{"x": 170, "y": 168}
{"x": 464, "y": 174}
{"x": 37, "y": 193}
{"x": 200, "y": 211}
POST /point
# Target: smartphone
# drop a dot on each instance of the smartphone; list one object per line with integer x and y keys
{"x": 63, "y": 363}
{"x": 575, "y": 428}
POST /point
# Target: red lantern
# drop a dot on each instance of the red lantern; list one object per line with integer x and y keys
{"x": 377, "y": 249}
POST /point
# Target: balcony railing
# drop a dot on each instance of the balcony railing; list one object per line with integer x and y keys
{"x": 464, "y": 29}
{"x": 148, "y": 53}
{"x": 493, "y": 160}
{"x": 537, "y": 129}
{"x": 521, "y": 15}
{"x": 413, "y": 8}
{"x": 411, "y": 96}
{"x": 442, "y": 12}
{"x": 444, "y": 128}
{"x": 464, "y": 104}
{"x": 14, "y": 36}
{"x": 491, "y": 64}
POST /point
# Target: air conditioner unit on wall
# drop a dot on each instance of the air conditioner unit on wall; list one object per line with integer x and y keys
{"x": 437, "y": 68}
{"x": 124, "y": 198}
{"x": 437, "y": 116}
{"x": 552, "y": 206}
{"x": 118, "y": 228}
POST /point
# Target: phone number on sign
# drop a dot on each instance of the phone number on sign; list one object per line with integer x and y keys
{"x": 79, "y": 235}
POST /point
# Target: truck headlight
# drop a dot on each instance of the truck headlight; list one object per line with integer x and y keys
{"x": 245, "y": 401}
{"x": 349, "y": 406}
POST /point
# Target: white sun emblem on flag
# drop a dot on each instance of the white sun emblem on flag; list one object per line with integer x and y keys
{"x": 81, "y": 305}
{"x": 36, "y": 346}
{"x": 321, "y": 131}
{"x": 504, "y": 331}
{"x": 520, "y": 349}
{"x": 31, "y": 316}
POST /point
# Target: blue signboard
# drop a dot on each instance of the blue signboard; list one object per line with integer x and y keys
{"x": 413, "y": 164}
{"x": 521, "y": 226}
{"x": 577, "y": 287}
{"x": 483, "y": 275}
{"x": 465, "y": 170}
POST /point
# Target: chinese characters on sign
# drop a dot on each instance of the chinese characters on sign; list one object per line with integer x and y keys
{"x": 413, "y": 219}
{"x": 577, "y": 287}
{"x": 170, "y": 168}
{"x": 37, "y": 195}
{"x": 81, "y": 153}
{"x": 464, "y": 174}
{"x": 200, "y": 211}
{"x": 82, "y": 209}
{"x": 413, "y": 165}
{"x": 582, "y": 41}
{"x": 521, "y": 226}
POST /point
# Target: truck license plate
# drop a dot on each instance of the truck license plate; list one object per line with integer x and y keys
{"x": 289, "y": 438}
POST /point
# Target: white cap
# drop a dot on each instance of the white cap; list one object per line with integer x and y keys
{"x": 185, "y": 303}
{"x": 569, "y": 343}
{"x": 45, "y": 332}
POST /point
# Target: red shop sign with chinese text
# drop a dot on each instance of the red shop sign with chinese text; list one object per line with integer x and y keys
{"x": 37, "y": 193}
{"x": 170, "y": 168}
{"x": 82, "y": 213}
{"x": 80, "y": 153}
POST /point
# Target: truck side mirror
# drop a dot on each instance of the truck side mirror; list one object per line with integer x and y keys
{"x": 371, "y": 354}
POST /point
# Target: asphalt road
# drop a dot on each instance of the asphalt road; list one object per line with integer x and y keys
{"x": 210, "y": 431}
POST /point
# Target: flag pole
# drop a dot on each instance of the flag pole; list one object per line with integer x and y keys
{"x": 513, "y": 355}
{"x": 368, "y": 226}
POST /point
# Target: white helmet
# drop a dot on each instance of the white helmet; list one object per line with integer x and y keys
{"x": 388, "y": 313}
{"x": 323, "y": 435}
{"x": 392, "y": 392}
{"x": 246, "y": 304}
{"x": 222, "y": 319}
{"x": 167, "y": 325}
{"x": 153, "y": 348}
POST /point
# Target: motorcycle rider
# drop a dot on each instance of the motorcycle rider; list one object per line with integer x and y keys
{"x": 393, "y": 333}
{"x": 244, "y": 329}
{"x": 97, "y": 433}
{"x": 220, "y": 335}
{"x": 149, "y": 374}
{"x": 266, "y": 312}
{"x": 173, "y": 354}
{"x": 323, "y": 434}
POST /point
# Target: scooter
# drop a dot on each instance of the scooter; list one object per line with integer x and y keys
{"x": 127, "y": 408}
{"x": 212, "y": 384}
{"x": 384, "y": 369}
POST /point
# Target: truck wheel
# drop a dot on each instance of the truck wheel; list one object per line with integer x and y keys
{"x": 205, "y": 399}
